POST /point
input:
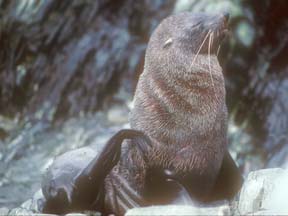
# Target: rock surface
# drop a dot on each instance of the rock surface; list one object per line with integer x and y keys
{"x": 263, "y": 193}
{"x": 61, "y": 58}
{"x": 179, "y": 210}
{"x": 265, "y": 190}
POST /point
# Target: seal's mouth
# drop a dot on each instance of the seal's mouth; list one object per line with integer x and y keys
{"x": 207, "y": 33}
{"x": 224, "y": 34}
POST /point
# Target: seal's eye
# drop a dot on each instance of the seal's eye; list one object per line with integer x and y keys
{"x": 168, "y": 42}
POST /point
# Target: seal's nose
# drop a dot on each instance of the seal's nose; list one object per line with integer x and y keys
{"x": 226, "y": 16}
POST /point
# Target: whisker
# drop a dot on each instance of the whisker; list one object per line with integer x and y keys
{"x": 199, "y": 49}
{"x": 209, "y": 57}
{"x": 217, "y": 53}
{"x": 73, "y": 185}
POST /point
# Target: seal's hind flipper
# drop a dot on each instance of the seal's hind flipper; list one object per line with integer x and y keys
{"x": 89, "y": 182}
{"x": 229, "y": 180}
{"x": 100, "y": 166}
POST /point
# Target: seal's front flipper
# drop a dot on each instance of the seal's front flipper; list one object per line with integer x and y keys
{"x": 229, "y": 180}
{"x": 58, "y": 180}
{"x": 76, "y": 182}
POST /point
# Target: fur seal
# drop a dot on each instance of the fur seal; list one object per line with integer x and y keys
{"x": 180, "y": 101}
{"x": 179, "y": 104}
{"x": 179, "y": 127}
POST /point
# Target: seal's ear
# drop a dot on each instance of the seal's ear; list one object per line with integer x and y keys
{"x": 168, "y": 43}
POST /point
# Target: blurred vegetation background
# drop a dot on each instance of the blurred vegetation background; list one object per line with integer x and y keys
{"x": 68, "y": 70}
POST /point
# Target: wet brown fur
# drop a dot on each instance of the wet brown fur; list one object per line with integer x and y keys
{"x": 177, "y": 104}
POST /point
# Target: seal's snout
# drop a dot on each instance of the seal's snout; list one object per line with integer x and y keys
{"x": 226, "y": 16}
{"x": 225, "y": 19}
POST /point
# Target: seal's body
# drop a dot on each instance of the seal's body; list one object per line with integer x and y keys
{"x": 178, "y": 136}
{"x": 179, "y": 104}
{"x": 180, "y": 98}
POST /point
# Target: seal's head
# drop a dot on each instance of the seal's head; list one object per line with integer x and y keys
{"x": 189, "y": 31}
{"x": 182, "y": 42}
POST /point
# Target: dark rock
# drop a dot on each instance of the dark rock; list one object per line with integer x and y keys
{"x": 65, "y": 57}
